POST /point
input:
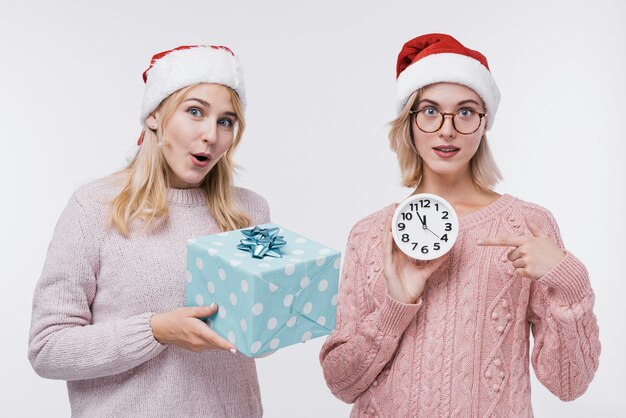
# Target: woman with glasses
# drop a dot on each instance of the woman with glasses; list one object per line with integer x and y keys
{"x": 450, "y": 337}
{"x": 108, "y": 311}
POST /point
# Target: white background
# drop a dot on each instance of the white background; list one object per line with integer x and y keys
{"x": 320, "y": 78}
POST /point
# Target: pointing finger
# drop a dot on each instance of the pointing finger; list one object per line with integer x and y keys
{"x": 503, "y": 241}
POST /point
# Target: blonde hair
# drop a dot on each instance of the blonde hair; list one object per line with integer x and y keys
{"x": 485, "y": 172}
{"x": 144, "y": 197}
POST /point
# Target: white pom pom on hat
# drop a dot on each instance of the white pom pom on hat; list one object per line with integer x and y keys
{"x": 437, "y": 57}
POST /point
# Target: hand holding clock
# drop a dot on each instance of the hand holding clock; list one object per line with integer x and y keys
{"x": 533, "y": 256}
{"x": 405, "y": 279}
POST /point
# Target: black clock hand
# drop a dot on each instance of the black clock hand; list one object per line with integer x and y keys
{"x": 423, "y": 221}
{"x": 426, "y": 227}
{"x": 433, "y": 233}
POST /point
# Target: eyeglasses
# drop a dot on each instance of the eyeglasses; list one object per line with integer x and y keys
{"x": 465, "y": 121}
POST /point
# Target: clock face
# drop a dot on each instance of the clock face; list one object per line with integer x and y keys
{"x": 425, "y": 226}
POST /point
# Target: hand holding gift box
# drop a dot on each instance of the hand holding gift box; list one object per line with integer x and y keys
{"x": 274, "y": 288}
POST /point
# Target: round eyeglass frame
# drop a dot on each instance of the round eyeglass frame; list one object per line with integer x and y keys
{"x": 443, "y": 119}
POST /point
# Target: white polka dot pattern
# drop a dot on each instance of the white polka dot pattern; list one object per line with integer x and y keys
{"x": 257, "y": 309}
{"x": 304, "y": 282}
{"x": 271, "y": 324}
{"x": 199, "y": 300}
{"x": 289, "y": 269}
{"x": 264, "y": 304}
{"x": 308, "y": 307}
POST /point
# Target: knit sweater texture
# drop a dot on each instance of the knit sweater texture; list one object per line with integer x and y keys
{"x": 92, "y": 308}
{"x": 463, "y": 349}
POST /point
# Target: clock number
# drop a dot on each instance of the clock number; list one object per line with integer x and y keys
{"x": 436, "y": 246}
{"x": 448, "y": 227}
{"x": 437, "y": 206}
{"x": 445, "y": 214}
{"x": 413, "y": 206}
{"x": 414, "y": 245}
{"x": 405, "y": 237}
{"x": 444, "y": 237}
{"x": 425, "y": 249}
{"x": 407, "y": 216}
{"x": 425, "y": 203}
{"x": 401, "y": 226}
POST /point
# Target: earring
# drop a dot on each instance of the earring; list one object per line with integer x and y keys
{"x": 153, "y": 126}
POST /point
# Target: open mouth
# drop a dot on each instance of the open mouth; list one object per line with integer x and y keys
{"x": 201, "y": 160}
{"x": 201, "y": 157}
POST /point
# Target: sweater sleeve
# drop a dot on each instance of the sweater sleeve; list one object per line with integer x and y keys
{"x": 566, "y": 345}
{"x": 367, "y": 333}
{"x": 64, "y": 343}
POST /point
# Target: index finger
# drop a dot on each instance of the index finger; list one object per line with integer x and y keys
{"x": 217, "y": 341}
{"x": 502, "y": 241}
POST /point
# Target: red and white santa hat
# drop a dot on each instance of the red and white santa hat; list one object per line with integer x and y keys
{"x": 437, "y": 57}
{"x": 176, "y": 68}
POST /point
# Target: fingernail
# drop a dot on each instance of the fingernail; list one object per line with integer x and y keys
{"x": 232, "y": 350}
{"x": 212, "y": 305}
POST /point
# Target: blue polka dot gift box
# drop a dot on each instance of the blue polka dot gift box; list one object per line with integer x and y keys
{"x": 274, "y": 287}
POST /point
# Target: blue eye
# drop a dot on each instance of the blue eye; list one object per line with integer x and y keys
{"x": 226, "y": 122}
{"x": 195, "y": 112}
{"x": 430, "y": 111}
{"x": 465, "y": 113}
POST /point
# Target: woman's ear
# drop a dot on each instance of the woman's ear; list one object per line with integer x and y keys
{"x": 151, "y": 121}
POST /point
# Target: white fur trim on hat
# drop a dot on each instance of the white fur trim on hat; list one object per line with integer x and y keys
{"x": 453, "y": 68}
{"x": 181, "y": 68}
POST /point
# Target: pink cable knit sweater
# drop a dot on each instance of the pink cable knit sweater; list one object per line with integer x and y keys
{"x": 92, "y": 309}
{"x": 463, "y": 349}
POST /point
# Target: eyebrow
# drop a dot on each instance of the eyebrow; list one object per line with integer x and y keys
{"x": 458, "y": 104}
{"x": 202, "y": 102}
{"x": 206, "y": 104}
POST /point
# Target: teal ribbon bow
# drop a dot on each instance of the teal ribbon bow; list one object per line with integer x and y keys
{"x": 262, "y": 242}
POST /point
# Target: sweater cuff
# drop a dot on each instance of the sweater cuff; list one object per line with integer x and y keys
{"x": 394, "y": 316}
{"x": 141, "y": 331}
{"x": 569, "y": 280}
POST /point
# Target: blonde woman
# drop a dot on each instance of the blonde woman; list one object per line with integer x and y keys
{"x": 450, "y": 337}
{"x": 108, "y": 312}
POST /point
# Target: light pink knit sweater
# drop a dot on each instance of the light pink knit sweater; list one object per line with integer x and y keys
{"x": 463, "y": 349}
{"x": 93, "y": 303}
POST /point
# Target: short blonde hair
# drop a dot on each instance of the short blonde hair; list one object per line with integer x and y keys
{"x": 485, "y": 172}
{"x": 144, "y": 196}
